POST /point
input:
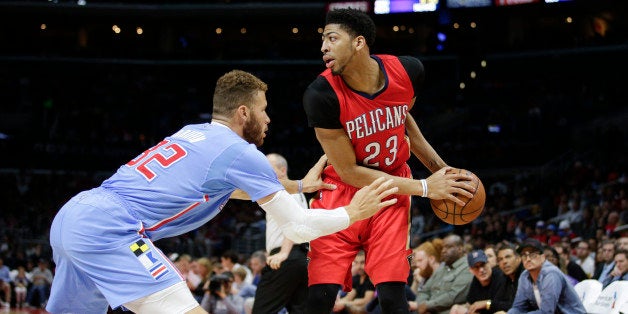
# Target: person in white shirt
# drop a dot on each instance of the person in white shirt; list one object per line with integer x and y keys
{"x": 584, "y": 259}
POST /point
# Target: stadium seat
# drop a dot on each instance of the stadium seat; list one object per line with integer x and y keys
{"x": 588, "y": 290}
{"x": 611, "y": 299}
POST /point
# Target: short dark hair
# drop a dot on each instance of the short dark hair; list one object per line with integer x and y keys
{"x": 355, "y": 22}
{"x": 553, "y": 252}
{"x": 621, "y": 251}
{"x": 507, "y": 246}
{"x": 231, "y": 255}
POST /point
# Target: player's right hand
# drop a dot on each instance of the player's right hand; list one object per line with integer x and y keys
{"x": 370, "y": 199}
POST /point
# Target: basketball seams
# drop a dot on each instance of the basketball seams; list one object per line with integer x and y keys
{"x": 444, "y": 208}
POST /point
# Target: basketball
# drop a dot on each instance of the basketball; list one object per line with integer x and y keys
{"x": 455, "y": 214}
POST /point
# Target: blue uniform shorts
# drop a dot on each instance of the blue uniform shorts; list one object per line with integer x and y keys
{"x": 101, "y": 256}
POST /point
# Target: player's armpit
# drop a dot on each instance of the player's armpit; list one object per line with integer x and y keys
{"x": 421, "y": 148}
{"x": 240, "y": 195}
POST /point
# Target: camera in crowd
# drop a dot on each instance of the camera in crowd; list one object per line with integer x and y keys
{"x": 216, "y": 282}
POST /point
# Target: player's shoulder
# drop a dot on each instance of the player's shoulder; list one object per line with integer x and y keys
{"x": 319, "y": 87}
{"x": 320, "y": 83}
{"x": 411, "y": 62}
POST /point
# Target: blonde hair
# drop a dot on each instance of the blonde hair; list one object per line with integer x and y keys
{"x": 207, "y": 263}
{"x": 234, "y": 89}
{"x": 240, "y": 272}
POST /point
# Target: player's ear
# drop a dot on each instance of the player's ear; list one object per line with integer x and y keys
{"x": 359, "y": 42}
{"x": 243, "y": 112}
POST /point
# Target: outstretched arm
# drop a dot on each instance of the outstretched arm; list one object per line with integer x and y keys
{"x": 303, "y": 224}
{"x": 312, "y": 182}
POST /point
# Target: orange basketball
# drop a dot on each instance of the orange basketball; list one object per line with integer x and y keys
{"x": 455, "y": 214}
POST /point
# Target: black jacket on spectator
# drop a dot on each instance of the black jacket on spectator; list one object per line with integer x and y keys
{"x": 477, "y": 292}
{"x": 575, "y": 271}
{"x": 502, "y": 301}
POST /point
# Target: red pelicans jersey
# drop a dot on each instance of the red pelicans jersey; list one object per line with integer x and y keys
{"x": 374, "y": 123}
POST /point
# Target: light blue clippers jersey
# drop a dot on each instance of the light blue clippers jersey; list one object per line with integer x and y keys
{"x": 185, "y": 180}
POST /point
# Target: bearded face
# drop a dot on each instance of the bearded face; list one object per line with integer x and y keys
{"x": 254, "y": 130}
{"x": 427, "y": 271}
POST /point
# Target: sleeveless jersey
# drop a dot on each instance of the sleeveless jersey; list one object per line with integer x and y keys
{"x": 374, "y": 123}
{"x": 185, "y": 180}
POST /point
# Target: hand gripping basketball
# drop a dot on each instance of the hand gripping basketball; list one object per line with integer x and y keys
{"x": 450, "y": 210}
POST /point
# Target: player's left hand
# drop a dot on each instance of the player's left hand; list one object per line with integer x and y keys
{"x": 370, "y": 199}
{"x": 274, "y": 261}
{"x": 312, "y": 181}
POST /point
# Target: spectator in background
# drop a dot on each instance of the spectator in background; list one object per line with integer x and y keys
{"x": 218, "y": 299}
{"x": 553, "y": 257}
{"x": 41, "y": 281}
{"x": 607, "y": 262}
{"x": 183, "y": 263}
{"x": 240, "y": 287}
{"x": 5, "y": 283}
{"x": 362, "y": 291}
{"x": 426, "y": 260}
{"x": 21, "y": 282}
{"x": 202, "y": 267}
{"x": 230, "y": 261}
{"x": 510, "y": 264}
{"x": 567, "y": 266}
{"x": 552, "y": 236}
{"x": 542, "y": 285}
{"x": 584, "y": 258}
{"x": 257, "y": 262}
{"x": 491, "y": 255}
{"x": 611, "y": 222}
{"x": 621, "y": 268}
{"x": 622, "y": 243}
{"x": 485, "y": 285}
{"x": 539, "y": 232}
{"x": 449, "y": 284}
{"x": 564, "y": 230}
{"x": 283, "y": 283}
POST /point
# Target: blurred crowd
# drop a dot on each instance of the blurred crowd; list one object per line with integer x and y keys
{"x": 578, "y": 209}
{"x": 544, "y": 131}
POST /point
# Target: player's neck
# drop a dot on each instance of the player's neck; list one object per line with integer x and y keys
{"x": 364, "y": 75}
{"x": 228, "y": 123}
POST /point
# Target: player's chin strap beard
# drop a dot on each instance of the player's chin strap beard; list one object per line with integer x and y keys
{"x": 342, "y": 68}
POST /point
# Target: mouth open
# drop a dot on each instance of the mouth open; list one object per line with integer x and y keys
{"x": 329, "y": 61}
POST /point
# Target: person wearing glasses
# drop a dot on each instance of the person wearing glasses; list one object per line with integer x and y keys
{"x": 542, "y": 286}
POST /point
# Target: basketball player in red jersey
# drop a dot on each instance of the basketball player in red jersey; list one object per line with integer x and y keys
{"x": 359, "y": 107}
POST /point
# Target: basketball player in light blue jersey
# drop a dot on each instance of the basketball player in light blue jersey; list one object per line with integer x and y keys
{"x": 102, "y": 239}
